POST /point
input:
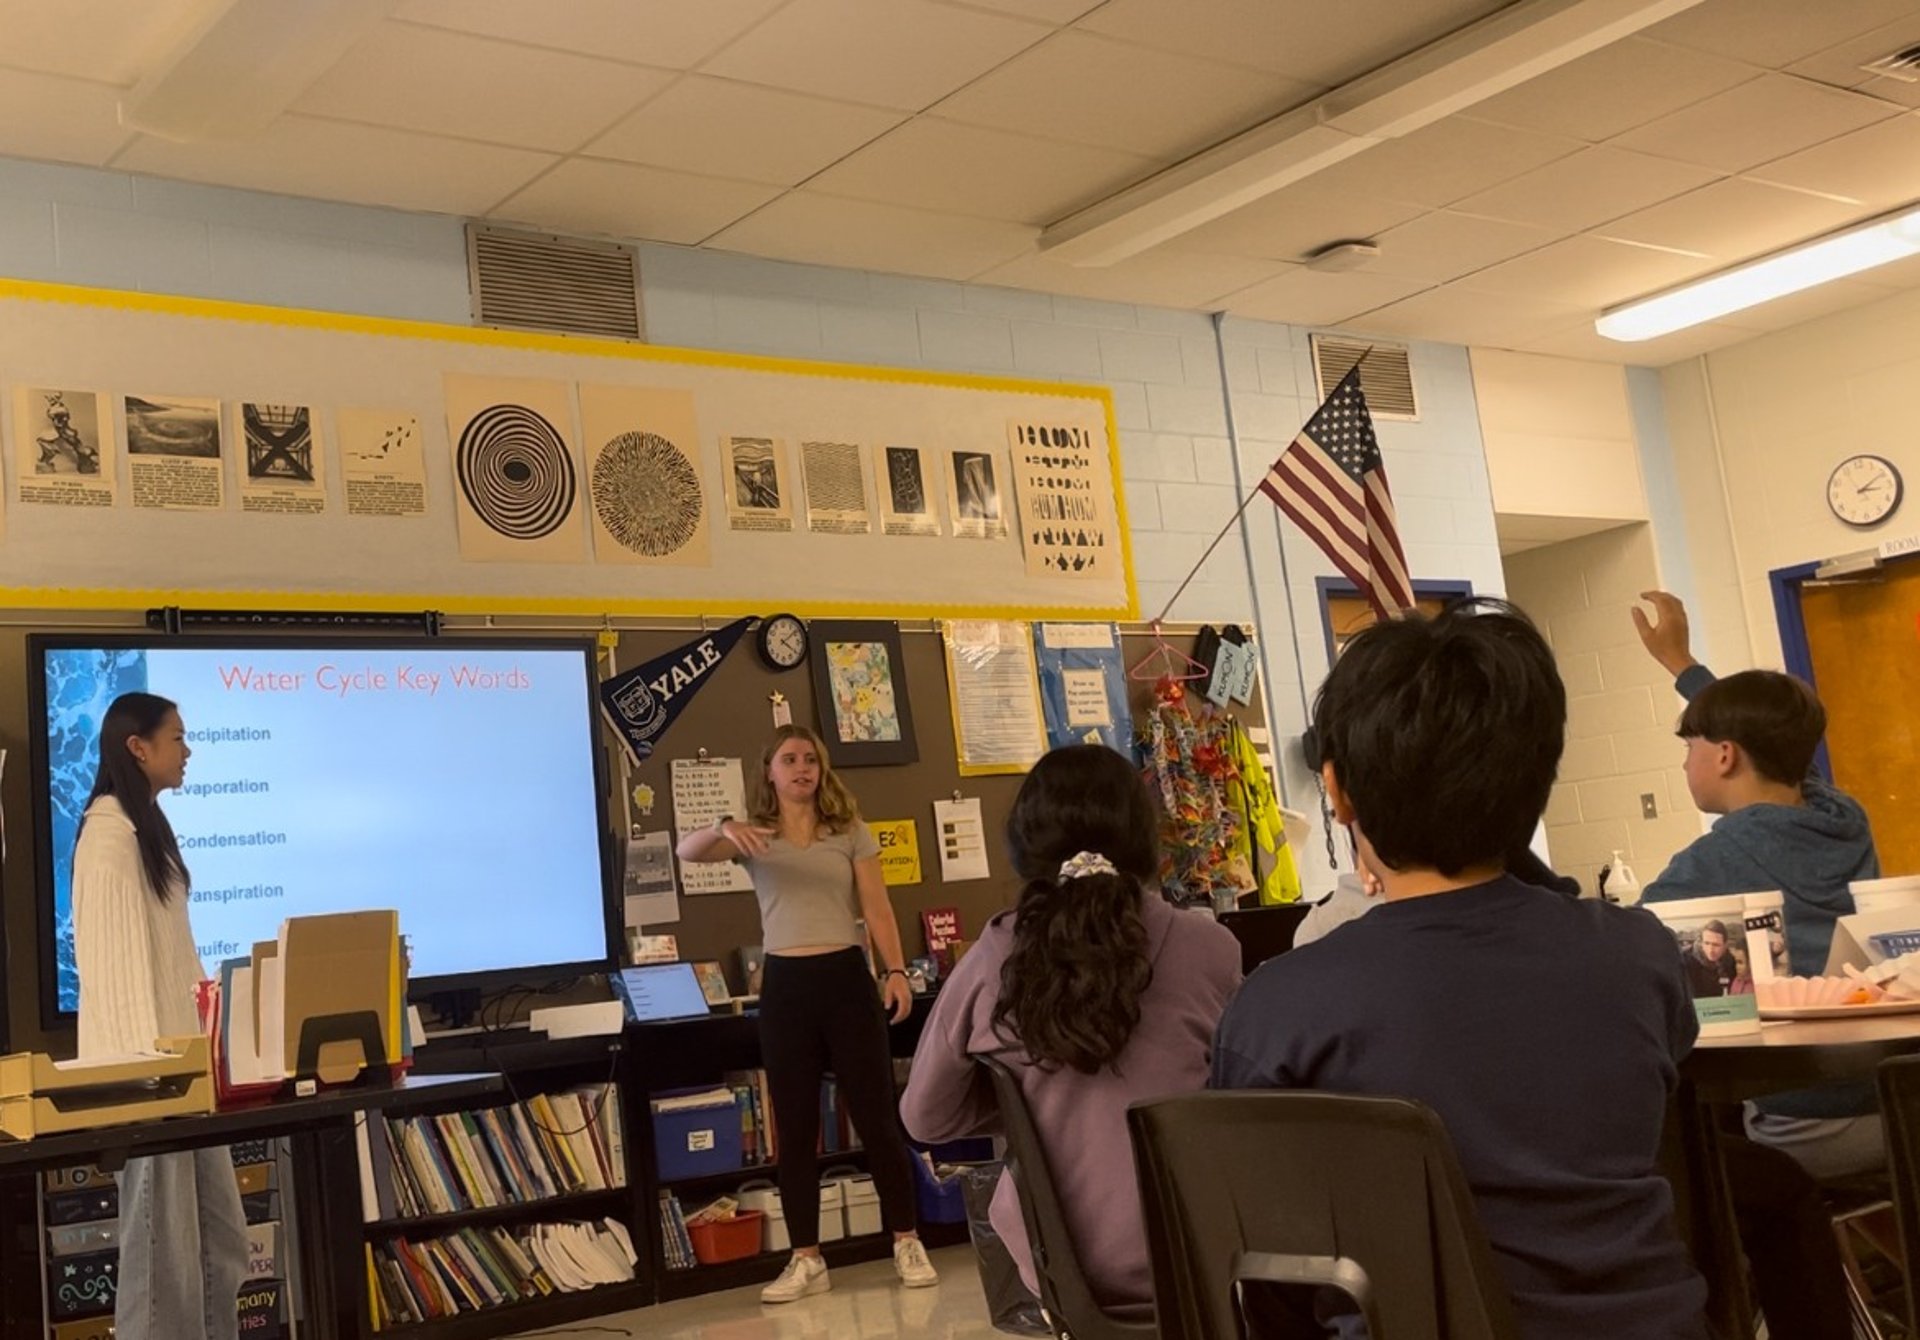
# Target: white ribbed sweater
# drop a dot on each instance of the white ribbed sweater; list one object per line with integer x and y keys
{"x": 136, "y": 955}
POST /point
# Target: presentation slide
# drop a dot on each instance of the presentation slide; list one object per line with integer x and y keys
{"x": 455, "y": 784}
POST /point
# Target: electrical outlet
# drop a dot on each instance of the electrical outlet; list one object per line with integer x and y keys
{"x": 1649, "y": 808}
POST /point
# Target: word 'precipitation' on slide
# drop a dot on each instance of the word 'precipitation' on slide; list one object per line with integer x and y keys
{"x": 341, "y": 681}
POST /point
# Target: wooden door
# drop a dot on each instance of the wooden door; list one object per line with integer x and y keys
{"x": 1347, "y": 615}
{"x": 1865, "y": 640}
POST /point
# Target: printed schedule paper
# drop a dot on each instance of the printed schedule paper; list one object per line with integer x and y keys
{"x": 963, "y": 840}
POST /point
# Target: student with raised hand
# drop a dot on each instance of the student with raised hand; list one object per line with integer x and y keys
{"x": 183, "y": 1236}
{"x": 816, "y": 872}
{"x": 1545, "y": 1031}
{"x": 1095, "y": 991}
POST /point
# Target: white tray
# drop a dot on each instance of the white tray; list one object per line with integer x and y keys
{"x": 1840, "y": 1011}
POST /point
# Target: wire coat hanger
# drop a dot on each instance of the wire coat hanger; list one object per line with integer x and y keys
{"x": 1166, "y": 661}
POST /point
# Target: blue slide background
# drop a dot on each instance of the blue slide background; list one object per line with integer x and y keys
{"x": 470, "y": 809}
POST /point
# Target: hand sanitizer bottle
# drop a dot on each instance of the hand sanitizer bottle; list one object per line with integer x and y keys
{"x": 1623, "y": 887}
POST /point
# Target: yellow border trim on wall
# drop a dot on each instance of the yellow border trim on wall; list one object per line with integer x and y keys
{"x": 219, "y": 309}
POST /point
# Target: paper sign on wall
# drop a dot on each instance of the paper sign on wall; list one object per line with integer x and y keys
{"x": 963, "y": 840}
{"x": 899, "y": 841}
{"x": 704, "y": 791}
{"x": 652, "y": 899}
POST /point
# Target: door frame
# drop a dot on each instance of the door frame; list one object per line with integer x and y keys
{"x": 1795, "y": 651}
{"x": 1324, "y": 588}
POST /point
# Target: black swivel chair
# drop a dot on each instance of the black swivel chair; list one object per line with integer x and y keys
{"x": 1070, "y": 1306}
{"x": 1899, "y": 1084}
{"x": 1293, "y": 1188}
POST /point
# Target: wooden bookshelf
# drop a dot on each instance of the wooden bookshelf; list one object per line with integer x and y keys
{"x": 558, "y": 1309}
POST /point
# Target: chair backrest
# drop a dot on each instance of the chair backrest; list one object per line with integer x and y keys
{"x": 1064, "y": 1290}
{"x": 1899, "y": 1082}
{"x": 1363, "y": 1194}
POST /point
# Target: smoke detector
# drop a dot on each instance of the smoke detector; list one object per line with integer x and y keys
{"x": 1338, "y": 257}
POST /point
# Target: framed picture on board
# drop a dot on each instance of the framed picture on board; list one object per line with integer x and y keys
{"x": 860, "y": 684}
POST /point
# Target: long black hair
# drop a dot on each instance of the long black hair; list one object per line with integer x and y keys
{"x": 119, "y": 775}
{"x": 1070, "y": 989}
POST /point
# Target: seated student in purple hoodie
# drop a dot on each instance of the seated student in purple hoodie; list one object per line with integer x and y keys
{"x": 1546, "y": 1032}
{"x": 1095, "y": 991}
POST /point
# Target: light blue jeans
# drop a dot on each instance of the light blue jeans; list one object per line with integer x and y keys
{"x": 183, "y": 1248}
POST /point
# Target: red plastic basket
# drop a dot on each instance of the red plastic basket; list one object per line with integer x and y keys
{"x": 727, "y": 1239}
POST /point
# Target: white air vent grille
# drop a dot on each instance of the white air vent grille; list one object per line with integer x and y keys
{"x": 1903, "y": 65}
{"x": 537, "y": 281}
{"x": 1385, "y": 376}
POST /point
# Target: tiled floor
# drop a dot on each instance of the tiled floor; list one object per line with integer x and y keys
{"x": 866, "y": 1303}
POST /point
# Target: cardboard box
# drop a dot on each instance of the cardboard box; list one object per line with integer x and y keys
{"x": 92, "y": 1328}
{"x": 336, "y": 966}
{"x": 81, "y": 1177}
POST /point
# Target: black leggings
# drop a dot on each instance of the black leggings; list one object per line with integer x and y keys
{"x": 821, "y": 1013}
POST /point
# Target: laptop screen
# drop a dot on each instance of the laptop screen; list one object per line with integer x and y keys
{"x": 657, "y": 991}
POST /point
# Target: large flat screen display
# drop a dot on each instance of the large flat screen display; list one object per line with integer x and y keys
{"x": 459, "y": 781}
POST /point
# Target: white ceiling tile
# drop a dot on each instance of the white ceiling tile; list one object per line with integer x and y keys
{"x": 1041, "y": 11}
{"x": 1756, "y": 122}
{"x": 477, "y": 88}
{"x": 106, "y": 40}
{"x": 1460, "y": 316}
{"x": 621, "y": 200}
{"x": 889, "y": 53}
{"x": 991, "y": 174}
{"x": 1192, "y": 280}
{"x": 46, "y": 116}
{"x": 826, "y": 230}
{"x": 669, "y": 34}
{"x": 1733, "y": 220}
{"x": 1581, "y": 341}
{"x": 1878, "y": 166}
{"x": 1290, "y": 224}
{"x": 1811, "y": 304}
{"x": 1304, "y": 297}
{"x": 332, "y": 160}
{"x": 1588, "y": 188}
{"x": 1092, "y": 90}
{"x": 1589, "y": 272}
{"x": 1446, "y": 161}
{"x": 1840, "y": 64}
{"x": 1614, "y": 89}
{"x": 720, "y": 128}
{"x": 1320, "y": 44}
{"x": 1442, "y": 246}
{"x": 1775, "y": 32}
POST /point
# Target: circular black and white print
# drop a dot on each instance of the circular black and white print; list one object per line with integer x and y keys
{"x": 647, "y": 494}
{"x": 515, "y": 472}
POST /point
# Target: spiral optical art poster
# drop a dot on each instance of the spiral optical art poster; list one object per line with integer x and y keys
{"x": 643, "y": 473}
{"x": 517, "y": 489}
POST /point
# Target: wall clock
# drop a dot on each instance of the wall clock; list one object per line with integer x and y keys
{"x": 1864, "y": 490}
{"x": 783, "y": 642}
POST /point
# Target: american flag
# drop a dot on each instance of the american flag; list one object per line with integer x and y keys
{"x": 1332, "y": 482}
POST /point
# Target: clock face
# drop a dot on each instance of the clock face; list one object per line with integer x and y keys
{"x": 1864, "y": 490}
{"x": 783, "y": 641}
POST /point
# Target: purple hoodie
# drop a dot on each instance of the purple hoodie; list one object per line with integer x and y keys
{"x": 1082, "y": 1119}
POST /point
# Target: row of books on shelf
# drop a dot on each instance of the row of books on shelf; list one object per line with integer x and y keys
{"x": 758, "y": 1143}
{"x": 473, "y": 1268}
{"x": 673, "y": 1233}
{"x": 545, "y": 1146}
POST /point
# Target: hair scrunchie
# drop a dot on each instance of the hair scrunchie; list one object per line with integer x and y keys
{"x": 1086, "y": 863}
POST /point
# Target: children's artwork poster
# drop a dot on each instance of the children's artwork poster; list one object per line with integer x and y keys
{"x": 173, "y": 453}
{"x": 63, "y": 455}
{"x": 283, "y": 472}
{"x": 383, "y": 461}
{"x": 902, "y": 478}
{"x": 643, "y": 476}
{"x": 860, "y": 682}
{"x": 974, "y": 495}
{"x": 1063, "y": 481}
{"x": 756, "y": 483}
{"x": 942, "y": 927}
{"x": 516, "y": 470}
{"x": 705, "y": 791}
{"x": 899, "y": 841}
{"x": 652, "y": 897}
{"x": 836, "y": 481}
{"x": 1083, "y": 685}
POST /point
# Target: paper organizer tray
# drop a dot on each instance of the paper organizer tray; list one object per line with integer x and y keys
{"x": 38, "y": 1097}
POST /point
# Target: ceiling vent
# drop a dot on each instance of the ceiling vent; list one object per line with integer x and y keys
{"x": 1385, "y": 376}
{"x": 1903, "y": 65}
{"x": 538, "y": 281}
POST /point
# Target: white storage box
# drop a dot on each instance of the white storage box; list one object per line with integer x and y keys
{"x": 833, "y": 1217}
{"x": 862, "y": 1205}
{"x": 765, "y": 1197}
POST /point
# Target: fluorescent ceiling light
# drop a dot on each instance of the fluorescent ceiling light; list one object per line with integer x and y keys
{"x": 1503, "y": 50}
{"x": 1892, "y": 237}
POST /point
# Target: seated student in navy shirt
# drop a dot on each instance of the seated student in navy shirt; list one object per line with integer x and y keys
{"x": 1546, "y": 1032}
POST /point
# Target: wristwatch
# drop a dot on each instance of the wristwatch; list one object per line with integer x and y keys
{"x": 720, "y": 825}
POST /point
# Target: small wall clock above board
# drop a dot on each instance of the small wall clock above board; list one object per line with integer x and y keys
{"x": 1864, "y": 490}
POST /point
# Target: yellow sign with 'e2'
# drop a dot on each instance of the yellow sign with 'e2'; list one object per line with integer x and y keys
{"x": 899, "y": 841}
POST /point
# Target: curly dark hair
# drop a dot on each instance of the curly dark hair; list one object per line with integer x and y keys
{"x": 1070, "y": 989}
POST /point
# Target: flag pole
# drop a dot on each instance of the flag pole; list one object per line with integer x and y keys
{"x": 1233, "y": 520}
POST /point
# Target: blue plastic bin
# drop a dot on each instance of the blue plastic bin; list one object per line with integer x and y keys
{"x": 698, "y": 1142}
{"x": 940, "y": 1202}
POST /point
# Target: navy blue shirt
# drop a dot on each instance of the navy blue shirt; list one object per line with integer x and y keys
{"x": 1547, "y": 1034}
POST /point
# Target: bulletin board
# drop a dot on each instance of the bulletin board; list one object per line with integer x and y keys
{"x": 205, "y": 454}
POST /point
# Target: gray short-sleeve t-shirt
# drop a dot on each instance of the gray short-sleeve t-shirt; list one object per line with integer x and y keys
{"x": 807, "y": 894}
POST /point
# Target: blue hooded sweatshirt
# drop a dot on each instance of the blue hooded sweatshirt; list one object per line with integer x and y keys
{"x": 1810, "y": 853}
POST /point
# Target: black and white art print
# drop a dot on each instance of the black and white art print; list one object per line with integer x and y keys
{"x": 973, "y": 491}
{"x": 173, "y": 452}
{"x": 758, "y": 488}
{"x": 649, "y": 505}
{"x": 61, "y": 456}
{"x": 904, "y": 478}
{"x": 283, "y": 470}
{"x": 1064, "y": 486}
{"x": 517, "y": 483}
{"x": 836, "y": 480}
{"x": 383, "y": 461}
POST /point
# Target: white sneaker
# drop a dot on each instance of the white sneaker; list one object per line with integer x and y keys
{"x": 803, "y": 1277}
{"x": 911, "y": 1263}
